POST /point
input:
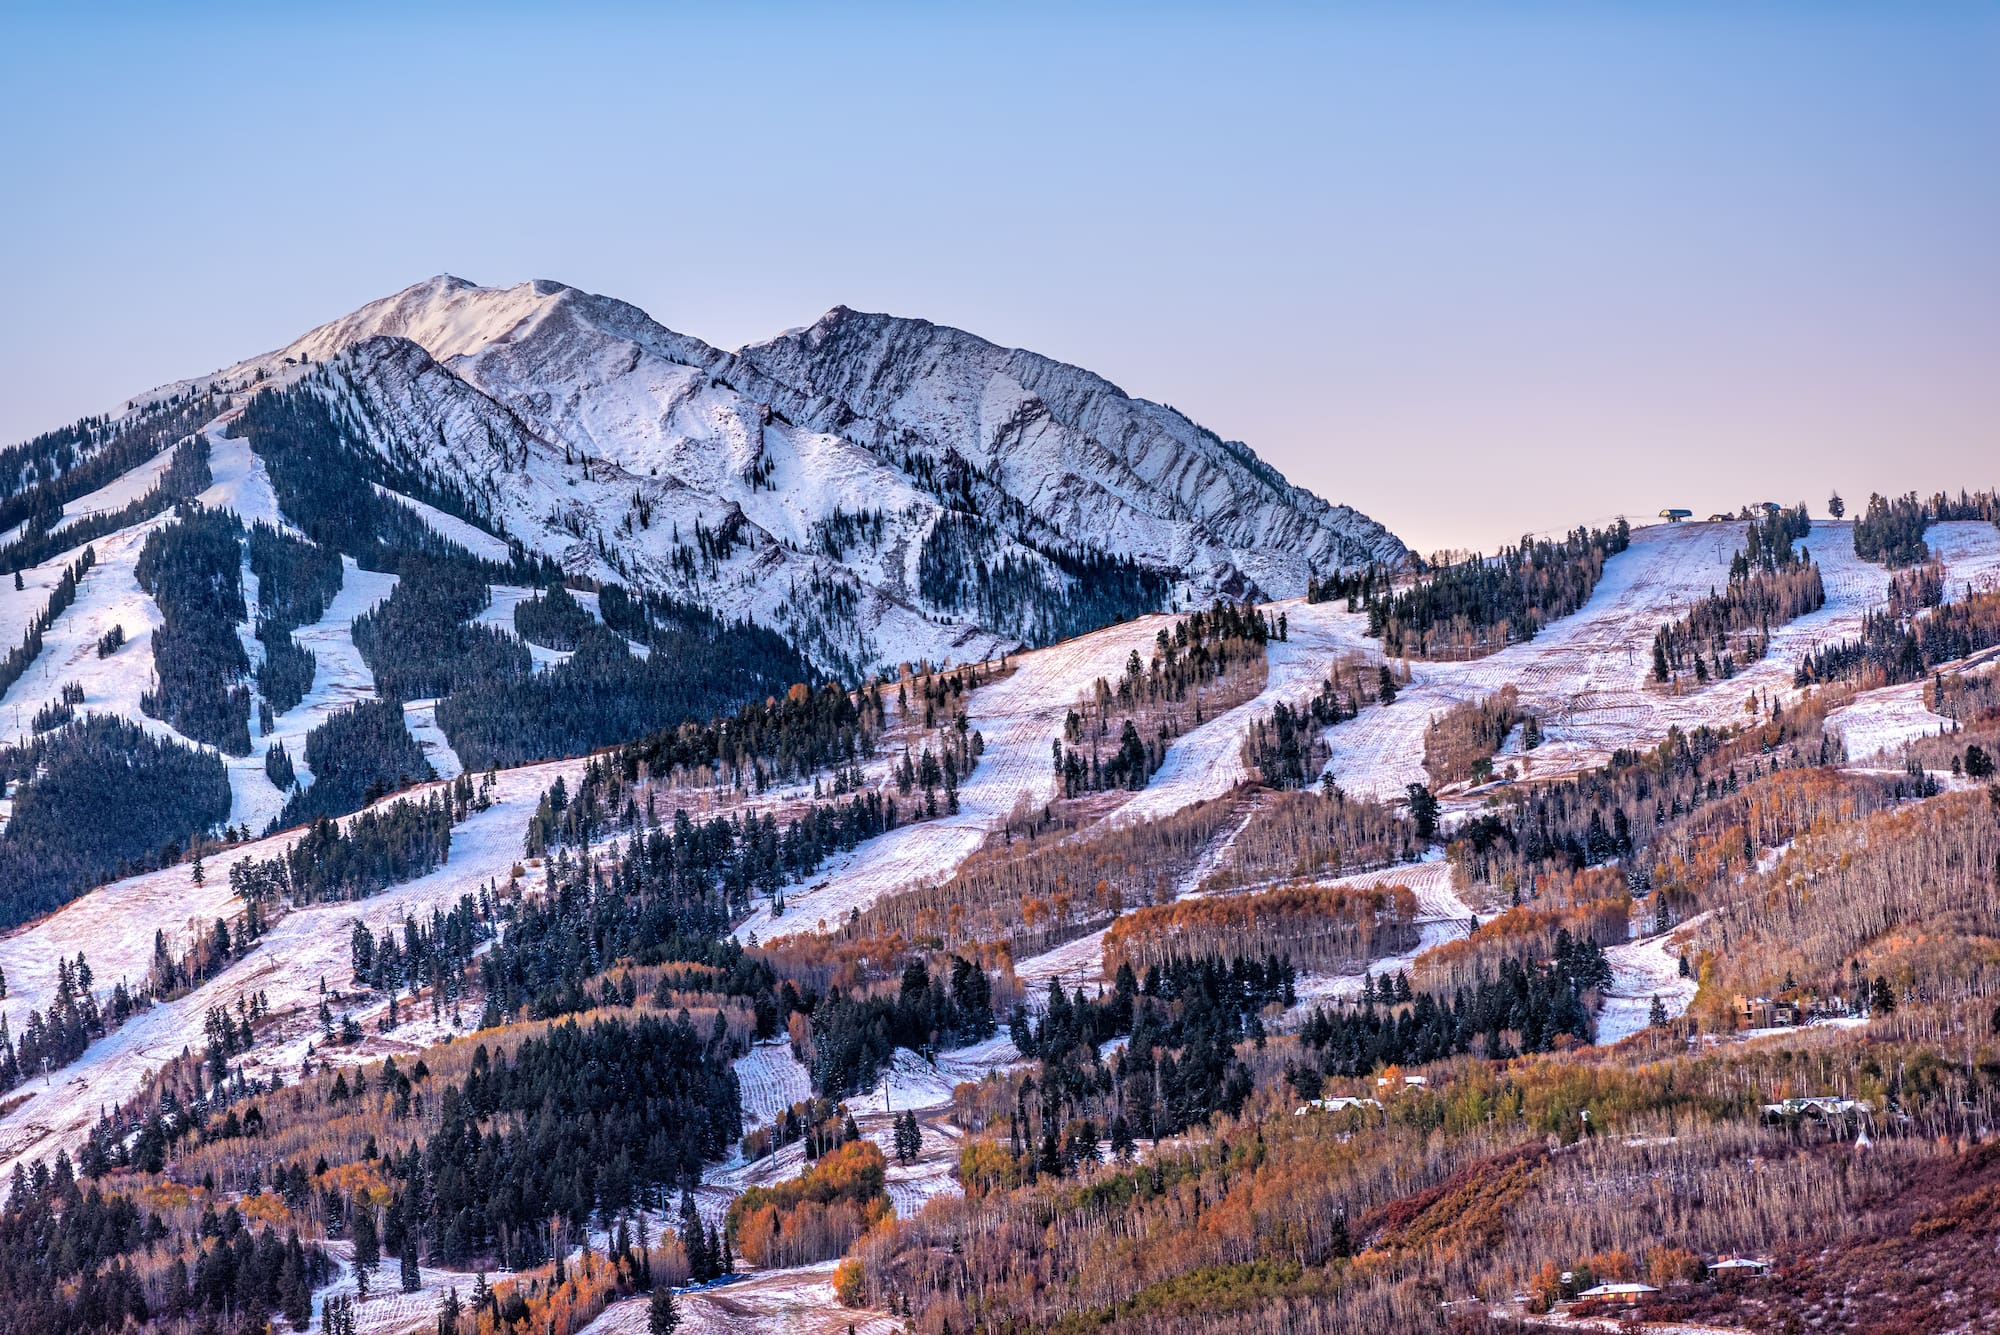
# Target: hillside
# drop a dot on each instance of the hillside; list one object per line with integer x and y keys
{"x": 455, "y": 818}
{"x": 870, "y": 481}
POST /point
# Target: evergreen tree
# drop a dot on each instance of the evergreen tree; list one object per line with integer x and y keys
{"x": 1423, "y": 811}
{"x": 662, "y": 1316}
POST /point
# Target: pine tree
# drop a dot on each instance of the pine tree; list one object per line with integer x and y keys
{"x": 662, "y": 1316}
{"x": 1657, "y": 1016}
{"x": 295, "y": 1294}
{"x": 694, "y": 1239}
{"x": 411, "y": 1280}
{"x": 367, "y": 1245}
{"x": 1121, "y": 1137}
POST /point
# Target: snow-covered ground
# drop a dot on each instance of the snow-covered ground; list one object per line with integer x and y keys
{"x": 118, "y": 493}
{"x": 1441, "y": 916}
{"x": 1640, "y": 971}
{"x": 908, "y": 1081}
{"x": 1019, "y": 715}
{"x": 1587, "y": 675}
{"x": 115, "y": 926}
{"x": 1877, "y": 724}
{"x": 340, "y": 680}
{"x": 770, "y": 1080}
{"x": 775, "y": 1302}
{"x": 1208, "y": 761}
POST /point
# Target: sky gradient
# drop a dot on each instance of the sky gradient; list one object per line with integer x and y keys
{"x": 1474, "y": 272}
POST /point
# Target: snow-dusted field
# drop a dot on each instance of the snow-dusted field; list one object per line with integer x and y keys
{"x": 1019, "y": 715}
{"x": 908, "y": 1081}
{"x": 770, "y": 1080}
{"x": 1208, "y": 761}
{"x": 781, "y": 1302}
{"x": 115, "y": 926}
{"x": 108, "y": 596}
{"x": 1640, "y": 971}
{"x": 1587, "y": 676}
{"x": 118, "y": 493}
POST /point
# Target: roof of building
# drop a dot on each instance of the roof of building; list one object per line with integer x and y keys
{"x": 1618, "y": 1291}
{"x": 1335, "y": 1103}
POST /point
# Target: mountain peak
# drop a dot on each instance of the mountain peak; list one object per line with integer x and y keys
{"x": 646, "y": 436}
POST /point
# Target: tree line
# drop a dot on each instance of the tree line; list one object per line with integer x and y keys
{"x": 1770, "y": 583}
{"x": 1478, "y": 605}
{"x": 193, "y": 568}
{"x": 22, "y": 657}
{"x": 99, "y": 799}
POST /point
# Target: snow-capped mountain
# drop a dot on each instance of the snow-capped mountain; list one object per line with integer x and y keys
{"x": 879, "y": 488}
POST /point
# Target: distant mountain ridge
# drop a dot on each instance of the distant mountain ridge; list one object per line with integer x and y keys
{"x": 878, "y": 488}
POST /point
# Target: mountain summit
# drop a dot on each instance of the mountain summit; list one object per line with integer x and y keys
{"x": 878, "y": 488}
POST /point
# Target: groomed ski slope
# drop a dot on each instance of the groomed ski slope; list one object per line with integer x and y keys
{"x": 1587, "y": 676}
{"x": 1019, "y": 716}
{"x": 115, "y": 926}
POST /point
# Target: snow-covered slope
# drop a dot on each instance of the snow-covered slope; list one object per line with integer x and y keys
{"x": 1077, "y": 449}
{"x": 594, "y": 434}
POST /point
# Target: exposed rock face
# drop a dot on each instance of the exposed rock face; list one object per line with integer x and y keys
{"x": 881, "y": 488}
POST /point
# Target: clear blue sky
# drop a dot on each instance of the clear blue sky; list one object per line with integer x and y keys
{"x": 1477, "y": 271}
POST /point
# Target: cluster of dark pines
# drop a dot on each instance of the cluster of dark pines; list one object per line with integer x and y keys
{"x": 97, "y": 799}
{"x": 359, "y": 754}
{"x": 1051, "y": 591}
{"x": 767, "y": 741}
{"x": 193, "y": 568}
{"x": 553, "y": 619}
{"x": 1480, "y": 604}
{"x": 853, "y": 1036}
{"x": 605, "y": 694}
{"x": 421, "y": 642}
{"x": 1770, "y": 583}
{"x": 668, "y": 898}
{"x": 381, "y": 847}
{"x": 53, "y": 1040}
{"x": 1178, "y": 1068}
{"x": 1895, "y": 648}
{"x": 66, "y": 1264}
{"x": 434, "y": 955}
{"x": 1536, "y": 1003}
{"x": 582, "y": 1121}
